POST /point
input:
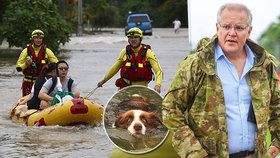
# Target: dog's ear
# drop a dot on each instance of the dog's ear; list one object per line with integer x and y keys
{"x": 119, "y": 121}
{"x": 153, "y": 120}
{"x": 156, "y": 119}
{"x": 124, "y": 120}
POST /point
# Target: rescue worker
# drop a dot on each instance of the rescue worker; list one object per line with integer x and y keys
{"x": 136, "y": 62}
{"x": 33, "y": 59}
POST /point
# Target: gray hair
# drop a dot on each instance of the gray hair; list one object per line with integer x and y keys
{"x": 235, "y": 6}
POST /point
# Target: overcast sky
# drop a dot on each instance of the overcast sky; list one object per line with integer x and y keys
{"x": 203, "y": 16}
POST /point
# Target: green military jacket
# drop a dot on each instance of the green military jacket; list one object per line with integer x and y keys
{"x": 194, "y": 108}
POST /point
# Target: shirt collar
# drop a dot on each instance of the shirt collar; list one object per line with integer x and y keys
{"x": 219, "y": 53}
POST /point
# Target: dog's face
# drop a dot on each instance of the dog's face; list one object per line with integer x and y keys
{"x": 137, "y": 121}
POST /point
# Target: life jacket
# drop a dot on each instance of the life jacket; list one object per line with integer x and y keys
{"x": 38, "y": 63}
{"x": 54, "y": 81}
{"x": 137, "y": 68}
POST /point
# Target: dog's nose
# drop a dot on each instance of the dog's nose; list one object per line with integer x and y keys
{"x": 137, "y": 127}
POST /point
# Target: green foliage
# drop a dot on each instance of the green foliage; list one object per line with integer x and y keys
{"x": 169, "y": 11}
{"x": 162, "y": 12}
{"x": 68, "y": 9}
{"x": 3, "y": 4}
{"x": 101, "y": 13}
{"x": 21, "y": 17}
{"x": 270, "y": 39}
{"x": 136, "y": 6}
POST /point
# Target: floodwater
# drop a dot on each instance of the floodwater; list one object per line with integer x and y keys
{"x": 89, "y": 58}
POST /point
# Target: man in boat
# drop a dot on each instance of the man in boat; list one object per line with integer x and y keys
{"x": 58, "y": 85}
{"x": 33, "y": 59}
{"x": 33, "y": 101}
{"x": 136, "y": 62}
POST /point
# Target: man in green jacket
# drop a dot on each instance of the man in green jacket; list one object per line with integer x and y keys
{"x": 226, "y": 97}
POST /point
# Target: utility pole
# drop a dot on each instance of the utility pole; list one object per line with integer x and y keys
{"x": 80, "y": 19}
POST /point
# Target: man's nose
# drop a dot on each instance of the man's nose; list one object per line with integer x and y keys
{"x": 232, "y": 31}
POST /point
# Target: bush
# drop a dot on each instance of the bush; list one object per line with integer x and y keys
{"x": 270, "y": 39}
{"x": 21, "y": 17}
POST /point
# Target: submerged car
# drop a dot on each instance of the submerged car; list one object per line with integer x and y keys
{"x": 142, "y": 21}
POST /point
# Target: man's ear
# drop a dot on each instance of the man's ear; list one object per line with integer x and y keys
{"x": 217, "y": 27}
{"x": 249, "y": 30}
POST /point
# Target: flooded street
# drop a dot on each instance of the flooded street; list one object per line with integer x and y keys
{"x": 89, "y": 58}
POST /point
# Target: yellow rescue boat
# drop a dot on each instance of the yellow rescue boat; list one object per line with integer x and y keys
{"x": 73, "y": 112}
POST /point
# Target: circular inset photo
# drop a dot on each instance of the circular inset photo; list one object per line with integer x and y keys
{"x": 133, "y": 120}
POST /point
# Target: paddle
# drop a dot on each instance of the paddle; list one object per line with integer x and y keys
{"x": 90, "y": 93}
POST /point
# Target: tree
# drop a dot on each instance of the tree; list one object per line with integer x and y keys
{"x": 134, "y": 6}
{"x": 162, "y": 12}
{"x": 100, "y": 13}
{"x": 270, "y": 39}
{"x": 3, "y": 4}
{"x": 167, "y": 12}
{"x": 21, "y": 17}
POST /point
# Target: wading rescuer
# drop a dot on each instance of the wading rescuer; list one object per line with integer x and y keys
{"x": 136, "y": 62}
{"x": 33, "y": 59}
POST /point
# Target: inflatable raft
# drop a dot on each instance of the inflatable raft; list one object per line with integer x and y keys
{"x": 73, "y": 112}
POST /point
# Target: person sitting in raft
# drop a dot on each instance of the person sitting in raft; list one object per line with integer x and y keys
{"x": 58, "y": 89}
{"x": 33, "y": 102}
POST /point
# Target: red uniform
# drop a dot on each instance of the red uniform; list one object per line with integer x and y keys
{"x": 34, "y": 70}
{"x": 135, "y": 68}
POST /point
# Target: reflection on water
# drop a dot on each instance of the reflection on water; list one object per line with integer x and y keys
{"x": 89, "y": 61}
